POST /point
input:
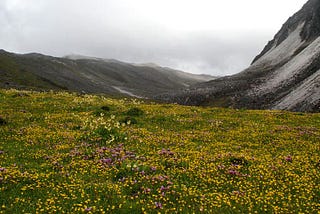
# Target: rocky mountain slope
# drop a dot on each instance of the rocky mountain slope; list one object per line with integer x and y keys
{"x": 285, "y": 75}
{"x": 90, "y": 75}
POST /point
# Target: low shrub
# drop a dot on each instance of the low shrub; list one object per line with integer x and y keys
{"x": 105, "y": 108}
{"x": 2, "y": 121}
{"x": 135, "y": 112}
{"x": 129, "y": 120}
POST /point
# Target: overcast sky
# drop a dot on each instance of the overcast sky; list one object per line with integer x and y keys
{"x": 218, "y": 37}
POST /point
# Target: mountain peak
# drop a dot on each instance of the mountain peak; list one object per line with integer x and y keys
{"x": 285, "y": 75}
{"x": 308, "y": 16}
{"x": 311, "y": 15}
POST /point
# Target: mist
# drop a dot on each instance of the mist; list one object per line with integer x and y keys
{"x": 195, "y": 36}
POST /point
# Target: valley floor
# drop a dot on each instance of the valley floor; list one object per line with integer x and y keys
{"x": 69, "y": 153}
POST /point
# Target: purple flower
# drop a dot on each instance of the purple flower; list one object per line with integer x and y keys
{"x": 163, "y": 152}
{"x": 288, "y": 158}
{"x": 158, "y": 205}
{"x": 153, "y": 168}
{"x": 162, "y": 188}
{"x": 2, "y": 169}
{"x": 161, "y": 178}
{"x": 122, "y": 179}
{"x": 166, "y": 152}
{"x": 1, "y": 152}
{"x": 88, "y": 209}
{"x": 146, "y": 190}
{"x": 233, "y": 172}
{"x": 106, "y": 161}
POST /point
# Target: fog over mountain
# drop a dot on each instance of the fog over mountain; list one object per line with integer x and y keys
{"x": 208, "y": 36}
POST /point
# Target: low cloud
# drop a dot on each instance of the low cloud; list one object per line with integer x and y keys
{"x": 111, "y": 29}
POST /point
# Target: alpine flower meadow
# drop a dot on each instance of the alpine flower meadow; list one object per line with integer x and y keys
{"x": 73, "y": 153}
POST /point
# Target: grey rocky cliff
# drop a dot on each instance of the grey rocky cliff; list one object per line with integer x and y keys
{"x": 309, "y": 16}
{"x": 285, "y": 75}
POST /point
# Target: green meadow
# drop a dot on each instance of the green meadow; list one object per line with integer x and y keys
{"x": 69, "y": 153}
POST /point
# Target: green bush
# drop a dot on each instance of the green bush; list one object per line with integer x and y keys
{"x": 102, "y": 110}
{"x": 20, "y": 94}
{"x": 2, "y": 121}
{"x": 128, "y": 120}
{"x": 135, "y": 112}
{"x": 105, "y": 108}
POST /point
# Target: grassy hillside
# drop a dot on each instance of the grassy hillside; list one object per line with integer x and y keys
{"x": 91, "y": 75}
{"x": 13, "y": 75}
{"x": 64, "y": 153}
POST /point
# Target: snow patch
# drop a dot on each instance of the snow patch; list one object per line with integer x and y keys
{"x": 59, "y": 62}
{"x": 123, "y": 91}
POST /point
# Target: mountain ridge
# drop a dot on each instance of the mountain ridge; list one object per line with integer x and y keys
{"x": 310, "y": 31}
{"x": 90, "y": 75}
{"x": 285, "y": 75}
